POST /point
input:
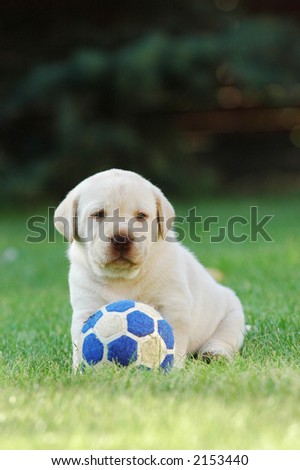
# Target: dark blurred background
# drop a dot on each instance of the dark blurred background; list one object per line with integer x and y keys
{"x": 201, "y": 97}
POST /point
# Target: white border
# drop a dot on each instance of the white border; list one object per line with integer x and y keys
{"x": 187, "y": 459}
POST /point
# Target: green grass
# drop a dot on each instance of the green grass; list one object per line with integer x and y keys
{"x": 252, "y": 403}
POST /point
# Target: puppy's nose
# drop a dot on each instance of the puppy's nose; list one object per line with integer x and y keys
{"x": 121, "y": 241}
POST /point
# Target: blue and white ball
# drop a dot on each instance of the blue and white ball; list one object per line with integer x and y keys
{"x": 127, "y": 333}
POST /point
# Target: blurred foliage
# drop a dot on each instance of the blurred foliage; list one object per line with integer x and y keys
{"x": 98, "y": 85}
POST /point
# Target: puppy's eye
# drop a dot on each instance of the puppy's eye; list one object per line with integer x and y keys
{"x": 141, "y": 216}
{"x": 99, "y": 215}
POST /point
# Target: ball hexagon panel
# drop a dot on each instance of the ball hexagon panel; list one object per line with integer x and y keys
{"x": 109, "y": 325}
{"x": 122, "y": 350}
{"x": 166, "y": 332}
{"x": 168, "y": 362}
{"x": 92, "y": 349}
{"x": 151, "y": 351}
{"x": 140, "y": 324}
{"x": 120, "y": 306}
{"x": 91, "y": 322}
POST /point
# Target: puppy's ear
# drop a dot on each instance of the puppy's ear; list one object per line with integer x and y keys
{"x": 165, "y": 213}
{"x": 65, "y": 216}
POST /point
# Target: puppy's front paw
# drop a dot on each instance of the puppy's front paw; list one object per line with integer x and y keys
{"x": 216, "y": 350}
{"x": 209, "y": 356}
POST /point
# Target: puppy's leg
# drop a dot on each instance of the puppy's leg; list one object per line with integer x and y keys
{"x": 76, "y": 361}
{"x": 228, "y": 337}
{"x": 78, "y": 320}
{"x": 181, "y": 346}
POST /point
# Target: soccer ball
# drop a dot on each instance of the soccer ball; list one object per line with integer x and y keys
{"x": 127, "y": 333}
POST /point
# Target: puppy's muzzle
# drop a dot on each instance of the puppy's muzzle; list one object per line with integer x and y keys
{"x": 121, "y": 242}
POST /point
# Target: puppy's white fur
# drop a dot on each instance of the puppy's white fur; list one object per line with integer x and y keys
{"x": 155, "y": 269}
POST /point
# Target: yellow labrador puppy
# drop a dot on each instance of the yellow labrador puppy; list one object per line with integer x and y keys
{"x": 122, "y": 247}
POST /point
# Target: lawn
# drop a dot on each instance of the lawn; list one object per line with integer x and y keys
{"x": 252, "y": 403}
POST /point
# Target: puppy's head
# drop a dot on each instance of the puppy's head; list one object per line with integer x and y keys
{"x": 116, "y": 216}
